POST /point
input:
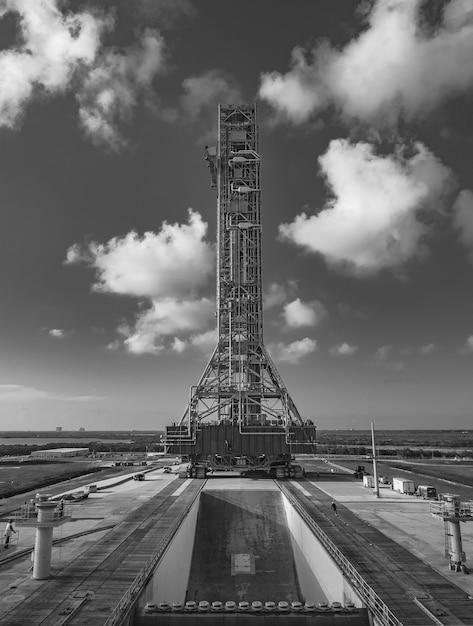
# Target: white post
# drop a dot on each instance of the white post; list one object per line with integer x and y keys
{"x": 375, "y": 469}
{"x": 44, "y": 539}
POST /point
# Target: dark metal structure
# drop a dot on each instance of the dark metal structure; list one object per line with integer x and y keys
{"x": 240, "y": 415}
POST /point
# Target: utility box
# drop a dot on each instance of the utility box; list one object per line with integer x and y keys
{"x": 404, "y": 485}
{"x": 368, "y": 481}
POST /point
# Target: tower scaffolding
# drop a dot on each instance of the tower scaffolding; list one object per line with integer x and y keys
{"x": 240, "y": 414}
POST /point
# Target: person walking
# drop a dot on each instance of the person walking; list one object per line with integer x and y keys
{"x": 7, "y": 533}
{"x": 334, "y": 507}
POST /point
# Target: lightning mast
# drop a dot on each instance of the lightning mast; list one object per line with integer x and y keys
{"x": 254, "y": 421}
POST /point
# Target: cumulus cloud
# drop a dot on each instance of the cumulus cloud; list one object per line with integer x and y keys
{"x": 202, "y": 93}
{"x": 292, "y": 352}
{"x": 20, "y": 393}
{"x": 467, "y": 347}
{"x": 373, "y": 220}
{"x": 343, "y": 349}
{"x": 56, "y": 332}
{"x": 397, "y": 67}
{"x": 165, "y": 270}
{"x": 383, "y": 353}
{"x": 162, "y": 321}
{"x": 112, "y": 90}
{"x": 171, "y": 263}
{"x": 427, "y": 349}
{"x": 60, "y": 51}
{"x": 278, "y": 293}
{"x": 203, "y": 342}
{"x": 297, "y": 313}
{"x": 53, "y": 47}
{"x": 24, "y": 393}
{"x": 463, "y": 219}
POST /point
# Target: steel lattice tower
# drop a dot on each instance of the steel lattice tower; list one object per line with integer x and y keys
{"x": 240, "y": 385}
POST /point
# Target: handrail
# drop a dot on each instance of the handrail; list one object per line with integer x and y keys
{"x": 369, "y": 596}
{"x": 125, "y": 603}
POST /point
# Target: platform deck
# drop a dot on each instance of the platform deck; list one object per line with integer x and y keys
{"x": 97, "y": 580}
{"x": 394, "y": 573}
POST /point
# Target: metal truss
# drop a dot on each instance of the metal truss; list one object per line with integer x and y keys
{"x": 240, "y": 384}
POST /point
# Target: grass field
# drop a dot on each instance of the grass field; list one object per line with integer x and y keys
{"x": 27, "y": 476}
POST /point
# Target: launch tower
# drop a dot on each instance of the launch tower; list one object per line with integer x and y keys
{"x": 240, "y": 415}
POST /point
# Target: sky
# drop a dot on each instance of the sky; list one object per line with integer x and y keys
{"x": 107, "y": 238}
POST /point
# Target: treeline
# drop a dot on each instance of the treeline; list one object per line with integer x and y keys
{"x": 94, "y": 446}
{"x": 405, "y": 453}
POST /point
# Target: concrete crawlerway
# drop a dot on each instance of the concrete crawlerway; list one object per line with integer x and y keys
{"x": 92, "y": 571}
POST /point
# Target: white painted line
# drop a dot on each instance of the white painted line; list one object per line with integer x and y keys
{"x": 301, "y": 488}
{"x": 184, "y": 485}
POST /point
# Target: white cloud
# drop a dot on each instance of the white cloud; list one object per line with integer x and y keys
{"x": 53, "y": 47}
{"x": 343, "y": 349}
{"x": 467, "y": 347}
{"x": 167, "y": 269}
{"x": 112, "y": 90}
{"x": 427, "y": 349}
{"x": 57, "y": 332}
{"x": 372, "y": 222}
{"x": 297, "y": 313}
{"x": 171, "y": 263}
{"x": 21, "y": 393}
{"x": 396, "y": 67}
{"x": 383, "y": 353}
{"x": 277, "y": 293}
{"x": 203, "y": 342}
{"x": 292, "y": 352}
{"x": 202, "y": 93}
{"x": 163, "y": 320}
{"x": 463, "y": 219}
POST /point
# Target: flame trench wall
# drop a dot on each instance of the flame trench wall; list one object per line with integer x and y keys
{"x": 246, "y": 544}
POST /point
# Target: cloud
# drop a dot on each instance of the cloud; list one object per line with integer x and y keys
{"x": 166, "y": 270}
{"x": 277, "y": 293}
{"x": 203, "y": 342}
{"x": 155, "y": 329}
{"x": 292, "y": 352}
{"x": 202, "y": 93}
{"x": 463, "y": 219}
{"x": 467, "y": 347}
{"x": 396, "y": 67}
{"x": 171, "y": 263}
{"x": 383, "y": 353}
{"x": 112, "y": 90}
{"x": 23, "y": 393}
{"x": 427, "y": 349}
{"x": 199, "y": 100}
{"x": 374, "y": 219}
{"x": 64, "y": 51}
{"x": 343, "y": 349}
{"x": 57, "y": 332}
{"x": 383, "y": 357}
{"x": 298, "y": 314}
{"x": 54, "y": 46}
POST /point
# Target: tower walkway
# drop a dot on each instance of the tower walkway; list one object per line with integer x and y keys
{"x": 412, "y": 590}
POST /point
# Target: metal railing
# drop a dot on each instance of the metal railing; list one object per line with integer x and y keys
{"x": 125, "y": 604}
{"x": 367, "y": 593}
{"x": 460, "y": 510}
